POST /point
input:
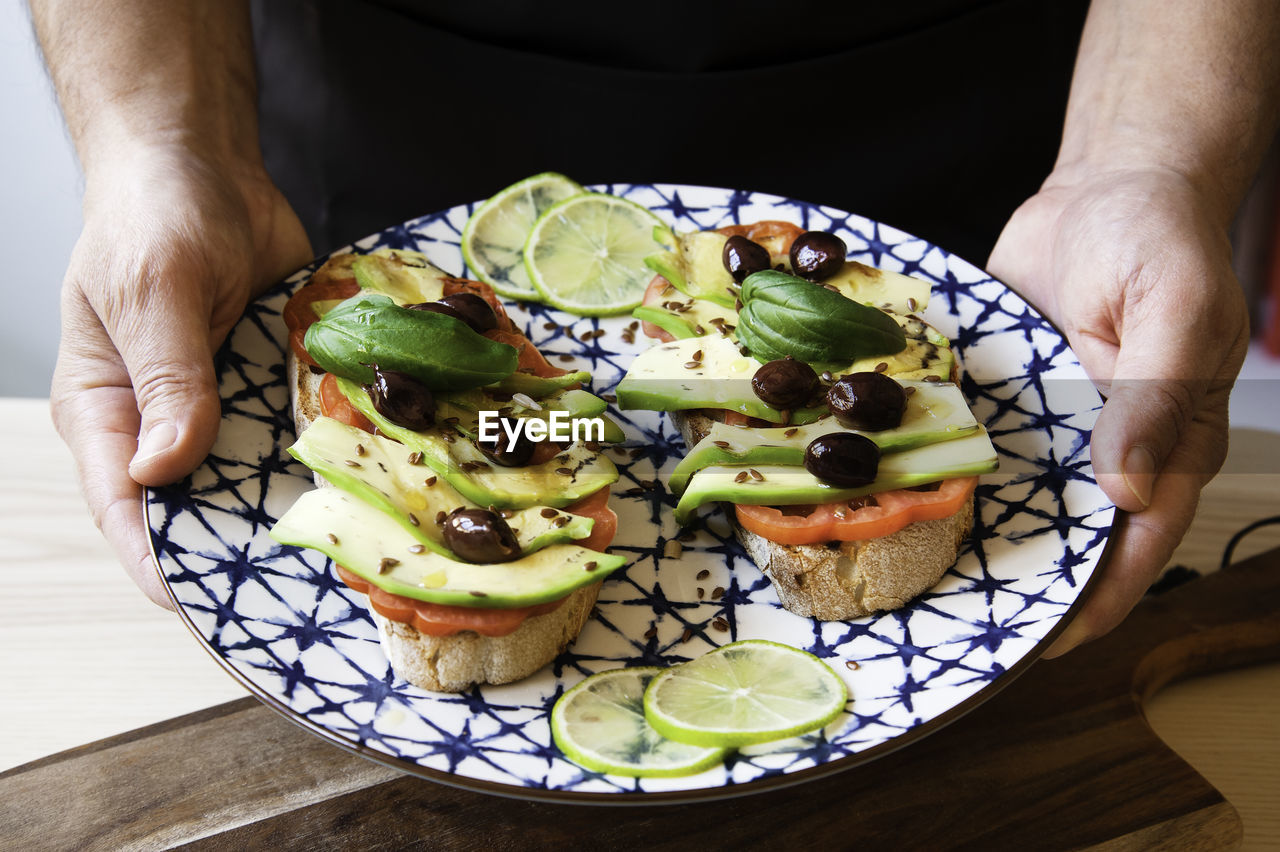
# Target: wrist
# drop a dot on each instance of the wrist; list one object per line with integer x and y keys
{"x": 1124, "y": 168}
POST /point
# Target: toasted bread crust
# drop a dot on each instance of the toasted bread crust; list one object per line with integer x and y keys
{"x": 455, "y": 663}
{"x": 843, "y": 580}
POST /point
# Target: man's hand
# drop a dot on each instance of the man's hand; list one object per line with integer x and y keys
{"x": 1135, "y": 268}
{"x": 172, "y": 250}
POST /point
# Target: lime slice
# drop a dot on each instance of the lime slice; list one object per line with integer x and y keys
{"x": 586, "y": 254}
{"x": 493, "y": 238}
{"x": 744, "y": 693}
{"x": 600, "y": 725}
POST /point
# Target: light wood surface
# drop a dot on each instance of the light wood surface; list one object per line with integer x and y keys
{"x": 83, "y": 655}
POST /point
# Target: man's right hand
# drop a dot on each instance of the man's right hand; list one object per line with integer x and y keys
{"x": 174, "y": 246}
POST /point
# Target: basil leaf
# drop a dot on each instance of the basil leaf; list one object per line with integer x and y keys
{"x": 440, "y": 351}
{"x": 785, "y": 315}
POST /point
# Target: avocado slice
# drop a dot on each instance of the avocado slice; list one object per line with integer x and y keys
{"x": 692, "y": 317}
{"x": 379, "y": 472}
{"x": 696, "y": 267}
{"x": 789, "y": 485}
{"x": 540, "y": 386}
{"x": 880, "y": 288}
{"x": 406, "y": 276}
{"x": 447, "y": 453}
{"x": 935, "y": 413}
{"x": 363, "y": 540}
{"x": 660, "y": 380}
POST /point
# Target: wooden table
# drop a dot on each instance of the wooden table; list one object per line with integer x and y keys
{"x": 84, "y": 656}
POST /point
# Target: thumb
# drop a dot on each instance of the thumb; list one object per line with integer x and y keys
{"x": 167, "y": 352}
{"x": 1158, "y": 387}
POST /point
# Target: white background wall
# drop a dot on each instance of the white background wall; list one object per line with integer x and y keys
{"x": 39, "y": 209}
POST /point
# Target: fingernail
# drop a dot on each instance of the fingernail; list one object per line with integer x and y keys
{"x": 159, "y": 438}
{"x": 1140, "y": 473}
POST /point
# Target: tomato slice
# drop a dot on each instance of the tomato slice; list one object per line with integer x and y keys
{"x": 890, "y": 512}
{"x": 441, "y": 619}
{"x": 653, "y": 296}
{"x": 530, "y": 360}
{"x": 484, "y": 291}
{"x": 596, "y": 506}
{"x": 334, "y": 403}
{"x": 772, "y": 234}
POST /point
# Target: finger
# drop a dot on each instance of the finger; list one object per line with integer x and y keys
{"x": 1142, "y": 543}
{"x": 162, "y": 333}
{"x": 1168, "y": 362}
{"x": 94, "y": 412}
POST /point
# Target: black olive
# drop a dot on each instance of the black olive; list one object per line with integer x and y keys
{"x": 817, "y": 255}
{"x": 845, "y": 459}
{"x": 867, "y": 401}
{"x": 742, "y": 257}
{"x": 479, "y": 535}
{"x": 467, "y": 307}
{"x": 402, "y": 399}
{"x": 785, "y": 383}
{"x": 500, "y": 449}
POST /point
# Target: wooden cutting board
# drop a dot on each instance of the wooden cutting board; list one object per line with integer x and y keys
{"x": 1062, "y": 758}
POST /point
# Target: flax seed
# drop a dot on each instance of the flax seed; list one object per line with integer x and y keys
{"x": 702, "y": 575}
{"x": 386, "y": 563}
{"x": 333, "y": 539}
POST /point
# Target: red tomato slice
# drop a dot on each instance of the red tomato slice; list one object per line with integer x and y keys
{"x": 530, "y": 359}
{"x": 772, "y": 234}
{"x": 892, "y": 510}
{"x": 441, "y": 619}
{"x": 596, "y": 506}
{"x": 484, "y": 291}
{"x": 653, "y": 296}
{"x": 334, "y": 403}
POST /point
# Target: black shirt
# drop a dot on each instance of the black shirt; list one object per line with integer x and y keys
{"x": 936, "y": 116}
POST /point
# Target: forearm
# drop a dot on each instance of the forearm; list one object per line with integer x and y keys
{"x": 132, "y": 74}
{"x": 1184, "y": 85}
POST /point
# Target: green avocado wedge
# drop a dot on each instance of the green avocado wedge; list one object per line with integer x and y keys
{"x": 540, "y": 386}
{"x": 574, "y": 405}
{"x": 688, "y": 317}
{"x": 380, "y": 472}
{"x": 375, "y": 546}
{"x": 406, "y": 276}
{"x": 567, "y": 478}
{"x": 935, "y": 413}
{"x": 790, "y": 485}
{"x": 668, "y": 377}
{"x": 696, "y": 268}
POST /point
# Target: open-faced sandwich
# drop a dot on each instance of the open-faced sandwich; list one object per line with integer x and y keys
{"x": 463, "y": 486}
{"x": 819, "y": 405}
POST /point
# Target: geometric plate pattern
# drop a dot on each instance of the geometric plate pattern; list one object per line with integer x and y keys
{"x": 281, "y": 622}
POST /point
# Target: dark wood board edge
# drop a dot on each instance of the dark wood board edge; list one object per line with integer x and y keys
{"x": 1083, "y": 713}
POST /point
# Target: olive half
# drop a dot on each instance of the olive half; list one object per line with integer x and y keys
{"x": 784, "y": 383}
{"x": 742, "y": 257}
{"x": 845, "y": 459}
{"x": 480, "y": 536}
{"x": 402, "y": 399}
{"x": 867, "y": 401}
{"x": 817, "y": 255}
{"x": 500, "y": 450}
{"x": 467, "y": 307}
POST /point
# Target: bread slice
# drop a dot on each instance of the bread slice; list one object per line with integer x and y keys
{"x": 842, "y": 580}
{"x": 455, "y": 663}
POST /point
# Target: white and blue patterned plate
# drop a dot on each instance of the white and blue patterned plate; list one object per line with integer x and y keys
{"x": 280, "y": 621}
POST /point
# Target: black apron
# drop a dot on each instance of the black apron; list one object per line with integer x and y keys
{"x": 937, "y": 116}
